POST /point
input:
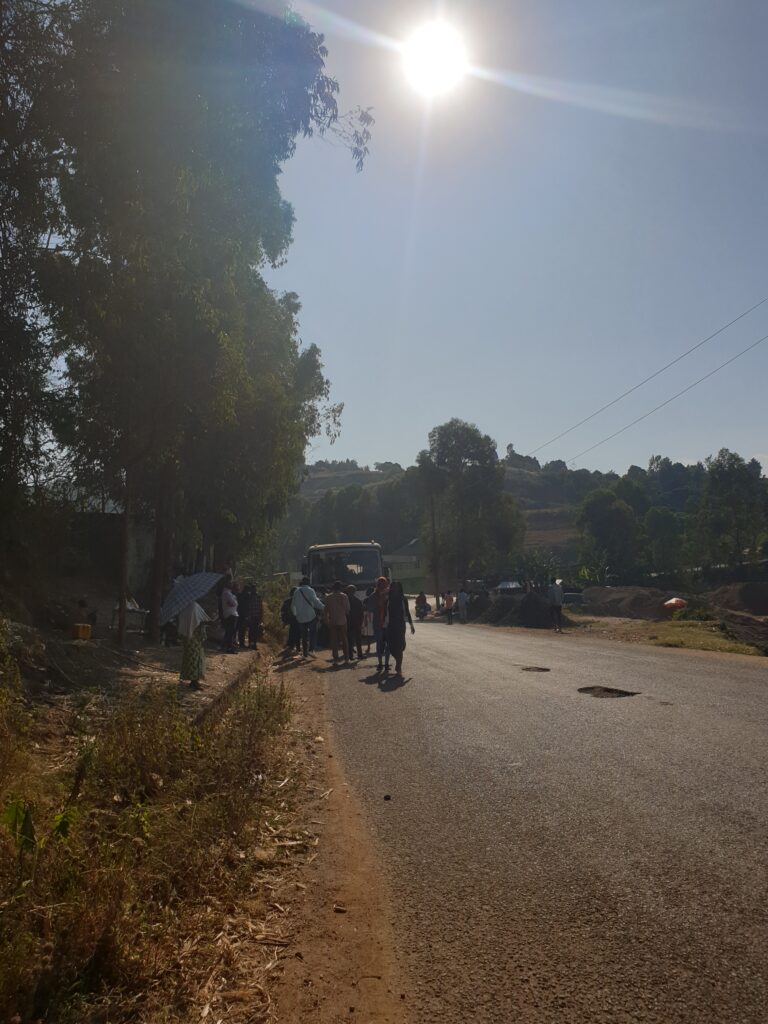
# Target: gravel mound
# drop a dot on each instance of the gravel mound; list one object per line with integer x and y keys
{"x": 741, "y": 597}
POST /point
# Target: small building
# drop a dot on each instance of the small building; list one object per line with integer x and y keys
{"x": 409, "y": 565}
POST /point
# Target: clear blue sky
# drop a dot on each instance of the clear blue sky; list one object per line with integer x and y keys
{"x": 517, "y": 261}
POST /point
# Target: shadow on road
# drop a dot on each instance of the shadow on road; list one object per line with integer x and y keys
{"x": 392, "y": 683}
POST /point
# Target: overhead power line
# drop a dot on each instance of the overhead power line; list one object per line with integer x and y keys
{"x": 679, "y": 394}
{"x": 651, "y": 377}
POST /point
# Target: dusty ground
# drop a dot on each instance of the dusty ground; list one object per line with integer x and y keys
{"x": 339, "y": 966}
{"x": 73, "y": 684}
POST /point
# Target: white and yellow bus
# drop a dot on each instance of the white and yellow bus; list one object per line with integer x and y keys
{"x": 358, "y": 562}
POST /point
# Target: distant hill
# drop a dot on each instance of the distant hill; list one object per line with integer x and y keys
{"x": 328, "y": 475}
{"x": 547, "y": 496}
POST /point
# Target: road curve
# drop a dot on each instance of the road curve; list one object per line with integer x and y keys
{"x": 559, "y": 857}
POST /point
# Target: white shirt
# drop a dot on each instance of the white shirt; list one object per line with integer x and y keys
{"x": 306, "y": 603}
{"x": 228, "y": 604}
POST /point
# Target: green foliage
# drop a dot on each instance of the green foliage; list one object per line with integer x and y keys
{"x": 731, "y": 517}
{"x": 144, "y": 143}
{"x": 664, "y": 531}
{"x": 609, "y": 526}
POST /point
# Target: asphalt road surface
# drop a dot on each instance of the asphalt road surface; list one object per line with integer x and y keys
{"x": 558, "y": 857}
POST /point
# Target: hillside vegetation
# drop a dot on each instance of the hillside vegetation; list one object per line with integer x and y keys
{"x": 667, "y": 518}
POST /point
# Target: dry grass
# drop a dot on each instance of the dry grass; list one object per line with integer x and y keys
{"x": 686, "y": 634}
{"x": 119, "y": 879}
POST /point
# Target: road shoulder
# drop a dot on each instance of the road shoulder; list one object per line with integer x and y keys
{"x": 342, "y": 966}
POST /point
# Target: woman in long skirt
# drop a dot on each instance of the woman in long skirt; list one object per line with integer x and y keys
{"x": 192, "y": 632}
{"x": 398, "y": 614}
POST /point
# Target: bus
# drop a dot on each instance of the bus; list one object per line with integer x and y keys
{"x": 358, "y": 562}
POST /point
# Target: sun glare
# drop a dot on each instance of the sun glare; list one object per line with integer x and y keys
{"x": 434, "y": 58}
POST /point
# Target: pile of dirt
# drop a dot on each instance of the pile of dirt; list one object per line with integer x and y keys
{"x": 628, "y": 602}
{"x": 747, "y": 629}
{"x": 529, "y": 610}
{"x": 499, "y": 610}
{"x": 741, "y": 597}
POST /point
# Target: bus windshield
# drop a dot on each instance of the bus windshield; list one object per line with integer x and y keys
{"x": 348, "y": 565}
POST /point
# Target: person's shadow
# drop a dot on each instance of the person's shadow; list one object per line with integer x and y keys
{"x": 391, "y": 683}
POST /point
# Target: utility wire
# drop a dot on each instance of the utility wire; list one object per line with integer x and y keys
{"x": 647, "y": 379}
{"x": 656, "y": 408}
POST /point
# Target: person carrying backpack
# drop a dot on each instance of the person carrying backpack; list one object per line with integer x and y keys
{"x": 305, "y": 604}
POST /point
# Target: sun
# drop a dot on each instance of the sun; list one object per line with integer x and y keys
{"x": 434, "y": 58}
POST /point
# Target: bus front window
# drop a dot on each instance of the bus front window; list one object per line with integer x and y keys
{"x": 356, "y": 565}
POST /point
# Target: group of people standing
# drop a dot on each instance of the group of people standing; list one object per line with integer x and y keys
{"x": 240, "y": 610}
{"x": 447, "y": 603}
{"x": 380, "y": 617}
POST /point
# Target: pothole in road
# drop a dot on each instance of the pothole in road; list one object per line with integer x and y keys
{"x": 534, "y": 668}
{"x": 606, "y": 691}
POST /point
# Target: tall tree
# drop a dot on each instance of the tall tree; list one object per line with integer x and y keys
{"x": 610, "y": 532}
{"x": 33, "y": 42}
{"x": 479, "y": 525}
{"x": 185, "y": 372}
{"x": 730, "y": 518}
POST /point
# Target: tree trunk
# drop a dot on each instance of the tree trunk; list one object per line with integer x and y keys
{"x": 158, "y": 568}
{"x": 435, "y": 571}
{"x": 161, "y": 561}
{"x": 125, "y": 541}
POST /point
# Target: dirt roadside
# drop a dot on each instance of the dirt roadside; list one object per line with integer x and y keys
{"x": 342, "y": 964}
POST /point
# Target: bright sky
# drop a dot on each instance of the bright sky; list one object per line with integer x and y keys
{"x": 518, "y": 259}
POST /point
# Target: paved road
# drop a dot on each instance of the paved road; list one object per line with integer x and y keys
{"x": 555, "y": 857}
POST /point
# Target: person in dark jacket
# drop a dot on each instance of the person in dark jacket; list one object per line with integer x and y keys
{"x": 244, "y": 595}
{"x": 398, "y": 614}
{"x": 289, "y": 619}
{"x": 355, "y": 623}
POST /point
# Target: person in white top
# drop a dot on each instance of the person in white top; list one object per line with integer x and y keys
{"x": 463, "y": 603}
{"x": 555, "y": 595}
{"x": 305, "y": 604}
{"x": 229, "y": 617}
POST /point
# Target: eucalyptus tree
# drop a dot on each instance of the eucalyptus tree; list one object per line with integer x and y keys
{"x": 185, "y": 374}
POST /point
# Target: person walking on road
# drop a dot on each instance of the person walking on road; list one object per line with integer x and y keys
{"x": 379, "y": 603}
{"x": 449, "y": 602}
{"x": 398, "y": 614}
{"x": 463, "y": 603}
{"x": 355, "y": 629}
{"x": 337, "y": 620}
{"x": 229, "y": 617}
{"x": 555, "y": 596}
{"x": 305, "y": 604}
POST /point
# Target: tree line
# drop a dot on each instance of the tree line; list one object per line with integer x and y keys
{"x": 453, "y": 498}
{"x": 467, "y": 505}
{"x": 144, "y": 362}
{"x": 671, "y": 518}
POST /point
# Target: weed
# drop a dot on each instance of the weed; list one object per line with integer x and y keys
{"x": 157, "y": 813}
